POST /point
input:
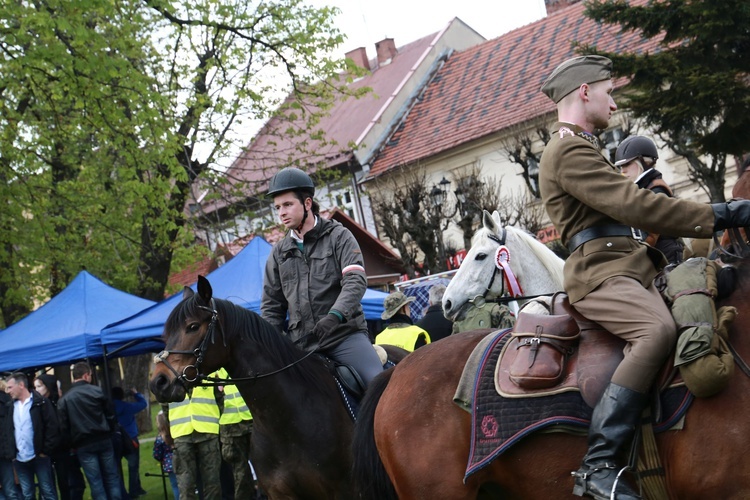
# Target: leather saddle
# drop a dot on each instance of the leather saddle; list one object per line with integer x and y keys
{"x": 571, "y": 353}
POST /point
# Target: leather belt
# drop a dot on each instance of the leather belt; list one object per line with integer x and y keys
{"x": 595, "y": 232}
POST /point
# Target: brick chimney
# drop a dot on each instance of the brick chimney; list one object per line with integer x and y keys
{"x": 555, "y": 5}
{"x": 359, "y": 56}
{"x": 386, "y": 49}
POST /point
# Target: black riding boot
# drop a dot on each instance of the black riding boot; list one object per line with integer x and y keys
{"x": 613, "y": 424}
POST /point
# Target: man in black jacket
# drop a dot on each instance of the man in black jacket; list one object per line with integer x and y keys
{"x": 7, "y": 447}
{"x": 433, "y": 321}
{"x": 37, "y": 436}
{"x": 87, "y": 419}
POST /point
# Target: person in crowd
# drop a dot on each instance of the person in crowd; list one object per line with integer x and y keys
{"x": 70, "y": 481}
{"x": 194, "y": 425}
{"x": 125, "y": 411}
{"x": 8, "y": 488}
{"x": 434, "y": 321}
{"x": 400, "y": 331}
{"x": 235, "y": 431}
{"x": 609, "y": 274}
{"x": 164, "y": 450}
{"x": 636, "y": 156}
{"x": 316, "y": 276}
{"x": 483, "y": 314}
{"x": 87, "y": 419}
{"x": 37, "y": 436}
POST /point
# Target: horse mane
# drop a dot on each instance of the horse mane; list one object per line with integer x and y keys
{"x": 547, "y": 257}
{"x": 250, "y": 328}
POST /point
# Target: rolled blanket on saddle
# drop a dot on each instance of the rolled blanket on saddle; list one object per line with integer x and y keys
{"x": 702, "y": 354}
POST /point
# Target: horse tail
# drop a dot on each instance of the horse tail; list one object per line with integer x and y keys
{"x": 370, "y": 478}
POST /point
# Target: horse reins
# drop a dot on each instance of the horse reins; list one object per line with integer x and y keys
{"x": 199, "y": 354}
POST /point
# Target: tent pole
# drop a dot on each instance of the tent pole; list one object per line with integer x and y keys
{"x": 107, "y": 388}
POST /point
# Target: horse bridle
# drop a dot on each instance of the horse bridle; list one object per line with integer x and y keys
{"x": 199, "y": 354}
{"x": 516, "y": 293}
{"x": 502, "y": 263}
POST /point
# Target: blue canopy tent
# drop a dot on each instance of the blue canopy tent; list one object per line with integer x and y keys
{"x": 239, "y": 280}
{"x": 372, "y": 303}
{"x": 68, "y": 326}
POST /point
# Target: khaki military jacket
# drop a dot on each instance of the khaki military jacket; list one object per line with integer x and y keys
{"x": 581, "y": 189}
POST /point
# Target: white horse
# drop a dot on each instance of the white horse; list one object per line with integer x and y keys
{"x": 502, "y": 260}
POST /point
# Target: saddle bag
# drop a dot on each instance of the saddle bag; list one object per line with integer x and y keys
{"x": 541, "y": 345}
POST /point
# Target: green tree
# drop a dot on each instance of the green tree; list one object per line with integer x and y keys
{"x": 112, "y": 112}
{"x": 693, "y": 88}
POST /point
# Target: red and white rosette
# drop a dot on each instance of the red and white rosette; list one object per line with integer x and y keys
{"x": 502, "y": 261}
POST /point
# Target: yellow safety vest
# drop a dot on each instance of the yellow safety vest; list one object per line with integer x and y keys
{"x": 199, "y": 413}
{"x": 235, "y": 409}
{"x": 404, "y": 337}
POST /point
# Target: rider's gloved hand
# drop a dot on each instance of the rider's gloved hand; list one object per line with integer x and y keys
{"x": 734, "y": 213}
{"x": 325, "y": 326}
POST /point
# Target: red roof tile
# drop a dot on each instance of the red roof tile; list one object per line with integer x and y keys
{"x": 190, "y": 274}
{"x": 345, "y": 123}
{"x": 495, "y": 85}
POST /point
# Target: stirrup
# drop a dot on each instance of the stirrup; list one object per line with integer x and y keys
{"x": 581, "y": 477}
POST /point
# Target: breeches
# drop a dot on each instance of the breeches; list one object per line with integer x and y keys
{"x": 356, "y": 350}
{"x": 639, "y": 316}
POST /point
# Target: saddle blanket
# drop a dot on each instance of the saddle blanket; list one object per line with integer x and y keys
{"x": 498, "y": 422}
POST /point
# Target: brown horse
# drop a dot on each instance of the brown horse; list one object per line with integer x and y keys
{"x": 302, "y": 429}
{"x": 741, "y": 189}
{"x": 412, "y": 441}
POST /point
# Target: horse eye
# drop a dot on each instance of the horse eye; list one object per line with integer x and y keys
{"x": 193, "y": 327}
{"x": 480, "y": 256}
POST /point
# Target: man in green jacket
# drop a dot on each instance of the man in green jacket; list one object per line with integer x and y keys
{"x": 316, "y": 276}
{"x": 609, "y": 273}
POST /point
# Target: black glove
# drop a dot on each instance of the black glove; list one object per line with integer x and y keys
{"x": 734, "y": 213}
{"x": 325, "y": 326}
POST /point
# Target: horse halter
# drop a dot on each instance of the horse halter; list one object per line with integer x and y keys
{"x": 199, "y": 352}
{"x": 502, "y": 263}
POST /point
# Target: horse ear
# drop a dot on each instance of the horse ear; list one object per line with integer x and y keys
{"x": 204, "y": 289}
{"x": 187, "y": 292}
{"x": 489, "y": 222}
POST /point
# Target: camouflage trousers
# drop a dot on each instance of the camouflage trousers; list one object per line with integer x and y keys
{"x": 235, "y": 450}
{"x": 193, "y": 453}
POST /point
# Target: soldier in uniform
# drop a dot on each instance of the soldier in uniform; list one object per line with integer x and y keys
{"x": 401, "y": 331}
{"x": 194, "y": 425}
{"x": 610, "y": 271}
{"x": 235, "y": 431}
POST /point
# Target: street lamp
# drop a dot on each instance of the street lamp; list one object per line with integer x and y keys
{"x": 437, "y": 196}
{"x": 438, "y": 192}
{"x": 533, "y": 174}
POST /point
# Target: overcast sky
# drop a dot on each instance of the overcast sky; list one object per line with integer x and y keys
{"x": 365, "y": 22}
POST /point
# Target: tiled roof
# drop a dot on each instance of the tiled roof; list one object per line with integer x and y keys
{"x": 494, "y": 85}
{"x": 190, "y": 274}
{"x": 346, "y": 121}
